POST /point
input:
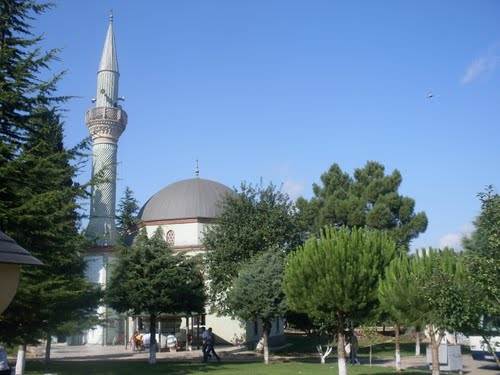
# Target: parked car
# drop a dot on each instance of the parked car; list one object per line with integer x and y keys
{"x": 160, "y": 340}
{"x": 479, "y": 348}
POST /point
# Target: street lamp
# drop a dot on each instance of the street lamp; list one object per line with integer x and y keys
{"x": 11, "y": 257}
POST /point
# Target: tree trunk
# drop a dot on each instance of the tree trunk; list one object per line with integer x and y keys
{"x": 265, "y": 336}
{"x": 48, "y": 346}
{"x": 371, "y": 354}
{"x": 398, "y": 349}
{"x": 21, "y": 359}
{"x": 435, "y": 352}
{"x": 187, "y": 334}
{"x": 152, "y": 339}
{"x": 417, "y": 344}
{"x": 491, "y": 350}
{"x": 341, "y": 353}
{"x": 322, "y": 355}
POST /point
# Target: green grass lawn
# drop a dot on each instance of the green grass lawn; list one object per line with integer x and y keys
{"x": 302, "y": 344}
{"x": 386, "y": 350}
{"x": 134, "y": 368}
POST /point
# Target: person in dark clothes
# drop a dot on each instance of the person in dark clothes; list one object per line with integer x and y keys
{"x": 4, "y": 364}
{"x": 204, "y": 340}
{"x": 210, "y": 345}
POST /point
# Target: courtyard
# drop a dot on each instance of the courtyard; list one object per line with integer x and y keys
{"x": 291, "y": 187}
{"x": 297, "y": 357}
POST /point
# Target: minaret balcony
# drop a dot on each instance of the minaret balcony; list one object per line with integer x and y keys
{"x": 106, "y": 123}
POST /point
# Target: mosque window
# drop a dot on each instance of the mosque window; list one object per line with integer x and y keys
{"x": 171, "y": 237}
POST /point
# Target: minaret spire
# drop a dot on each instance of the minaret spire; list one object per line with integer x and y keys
{"x": 108, "y": 73}
{"x": 109, "y": 60}
{"x": 106, "y": 122}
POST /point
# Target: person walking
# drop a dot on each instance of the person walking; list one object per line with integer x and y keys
{"x": 210, "y": 346}
{"x": 204, "y": 343}
{"x": 354, "y": 349}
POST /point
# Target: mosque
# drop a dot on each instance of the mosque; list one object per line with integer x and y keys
{"x": 183, "y": 209}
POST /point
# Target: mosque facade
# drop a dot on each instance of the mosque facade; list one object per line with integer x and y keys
{"x": 183, "y": 209}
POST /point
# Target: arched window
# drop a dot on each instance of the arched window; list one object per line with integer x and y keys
{"x": 171, "y": 237}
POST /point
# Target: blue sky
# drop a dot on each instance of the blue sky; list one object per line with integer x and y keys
{"x": 280, "y": 90}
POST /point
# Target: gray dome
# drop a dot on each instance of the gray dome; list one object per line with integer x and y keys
{"x": 186, "y": 199}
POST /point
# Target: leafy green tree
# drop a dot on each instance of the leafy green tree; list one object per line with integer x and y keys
{"x": 257, "y": 293}
{"x": 148, "y": 279}
{"x": 38, "y": 197}
{"x": 482, "y": 251}
{"x": 370, "y": 198}
{"x": 334, "y": 279}
{"x": 399, "y": 298}
{"x": 127, "y": 219}
{"x": 445, "y": 295}
{"x": 253, "y": 220}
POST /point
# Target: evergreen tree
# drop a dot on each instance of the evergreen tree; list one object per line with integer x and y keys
{"x": 257, "y": 293}
{"x": 22, "y": 91}
{"x": 127, "y": 220}
{"x": 148, "y": 279}
{"x": 253, "y": 220}
{"x": 399, "y": 298}
{"x": 334, "y": 279}
{"x": 38, "y": 198}
{"x": 46, "y": 222}
{"x": 369, "y": 198}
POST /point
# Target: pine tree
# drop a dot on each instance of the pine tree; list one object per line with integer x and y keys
{"x": 47, "y": 223}
{"x": 399, "y": 298}
{"x": 334, "y": 279}
{"x": 38, "y": 198}
{"x": 22, "y": 90}
{"x": 127, "y": 219}
{"x": 148, "y": 279}
{"x": 370, "y": 198}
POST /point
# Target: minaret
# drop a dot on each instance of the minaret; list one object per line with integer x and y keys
{"x": 106, "y": 122}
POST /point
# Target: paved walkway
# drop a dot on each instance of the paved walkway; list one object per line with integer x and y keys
{"x": 227, "y": 354}
{"x": 118, "y": 352}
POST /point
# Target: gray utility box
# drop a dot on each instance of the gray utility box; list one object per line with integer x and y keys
{"x": 450, "y": 357}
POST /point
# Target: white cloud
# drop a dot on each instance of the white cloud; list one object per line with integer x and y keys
{"x": 293, "y": 188}
{"x": 481, "y": 65}
{"x": 454, "y": 240}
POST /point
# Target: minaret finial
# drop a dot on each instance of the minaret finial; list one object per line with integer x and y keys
{"x": 111, "y": 15}
{"x": 197, "y": 169}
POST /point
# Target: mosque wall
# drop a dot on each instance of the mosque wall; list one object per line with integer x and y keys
{"x": 184, "y": 235}
{"x": 226, "y": 329}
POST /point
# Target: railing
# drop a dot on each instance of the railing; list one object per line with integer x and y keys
{"x": 106, "y": 113}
